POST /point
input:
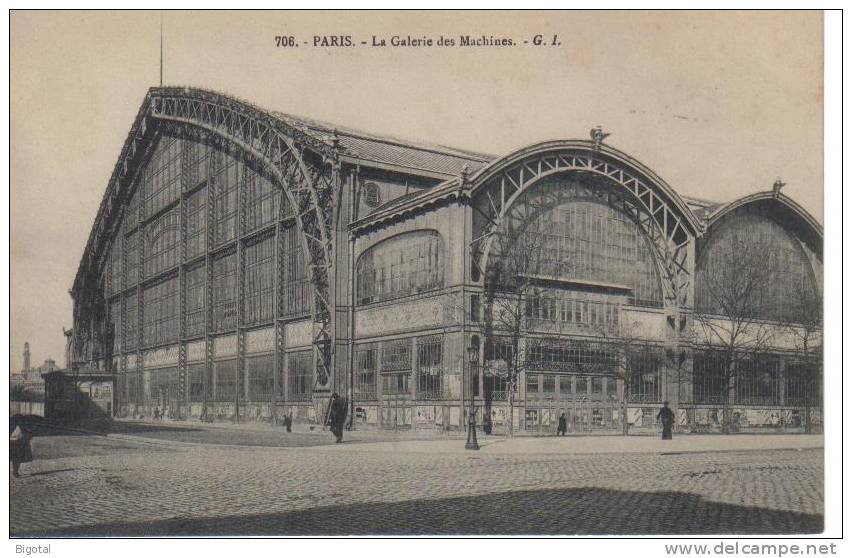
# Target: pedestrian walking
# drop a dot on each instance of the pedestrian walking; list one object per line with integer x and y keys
{"x": 20, "y": 450}
{"x": 563, "y": 425}
{"x": 337, "y": 412}
{"x": 666, "y": 417}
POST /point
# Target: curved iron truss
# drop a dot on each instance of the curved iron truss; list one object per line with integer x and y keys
{"x": 304, "y": 167}
{"x": 497, "y": 189}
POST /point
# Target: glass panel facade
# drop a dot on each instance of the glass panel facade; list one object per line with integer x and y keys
{"x": 225, "y": 292}
{"x": 259, "y": 280}
{"x": 116, "y": 268}
{"x": 150, "y": 246}
{"x": 364, "y": 388}
{"x": 403, "y": 265}
{"x": 262, "y": 199}
{"x": 225, "y": 180}
{"x": 196, "y": 301}
{"x": 261, "y": 374}
{"x": 115, "y": 321}
{"x": 753, "y": 248}
{"x": 197, "y": 160}
{"x": 161, "y": 177}
{"x": 195, "y": 374}
{"x": 546, "y": 306}
{"x": 131, "y": 323}
{"x": 161, "y": 318}
{"x": 196, "y": 224}
{"x": 430, "y": 368}
{"x": 294, "y": 276}
{"x": 225, "y": 379}
{"x": 568, "y": 355}
{"x": 132, "y": 247}
{"x": 756, "y": 380}
{"x": 582, "y": 234}
{"x": 708, "y": 379}
{"x": 300, "y": 370}
{"x": 163, "y": 237}
{"x": 396, "y": 366}
{"x": 645, "y": 379}
{"x": 163, "y": 388}
{"x": 802, "y": 384}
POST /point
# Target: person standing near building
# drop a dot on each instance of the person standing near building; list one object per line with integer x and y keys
{"x": 337, "y": 416}
{"x": 563, "y": 425}
{"x": 666, "y": 417}
{"x": 20, "y": 450}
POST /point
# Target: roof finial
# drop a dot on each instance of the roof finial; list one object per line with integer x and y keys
{"x": 598, "y": 135}
{"x": 463, "y": 175}
{"x": 335, "y": 139}
{"x": 776, "y": 187}
{"x": 161, "y": 48}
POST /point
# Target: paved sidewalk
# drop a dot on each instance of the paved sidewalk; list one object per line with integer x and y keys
{"x": 430, "y": 441}
{"x": 601, "y": 444}
{"x": 382, "y": 489}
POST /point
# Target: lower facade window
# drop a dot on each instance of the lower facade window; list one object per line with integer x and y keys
{"x": 364, "y": 388}
{"x": 549, "y": 383}
{"x": 300, "y": 371}
{"x": 645, "y": 380}
{"x": 133, "y": 391}
{"x": 496, "y": 388}
{"x": 261, "y": 374}
{"x": 395, "y": 383}
{"x": 163, "y": 387}
{"x": 225, "y": 380}
{"x": 430, "y": 368}
{"x": 757, "y": 381}
{"x": 708, "y": 381}
{"x": 532, "y": 383}
{"x": 753, "y": 381}
{"x": 195, "y": 377}
{"x": 802, "y": 385}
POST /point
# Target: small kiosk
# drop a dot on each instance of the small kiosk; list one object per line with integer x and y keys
{"x": 77, "y": 395}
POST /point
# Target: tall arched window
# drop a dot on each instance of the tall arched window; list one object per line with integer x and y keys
{"x": 753, "y": 259}
{"x": 403, "y": 265}
{"x": 577, "y": 234}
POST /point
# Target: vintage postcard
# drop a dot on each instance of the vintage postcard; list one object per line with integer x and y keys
{"x": 416, "y": 273}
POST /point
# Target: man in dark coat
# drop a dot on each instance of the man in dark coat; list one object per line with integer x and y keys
{"x": 666, "y": 417}
{"x": 20, "y": 450}
{"x": 337, "y": 411}
{"x": 563, "y": 425}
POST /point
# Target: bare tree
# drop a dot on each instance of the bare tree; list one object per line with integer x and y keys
{"x": 512, "y": 280}
{"x": 804, "y": 324}
{"x": 731, "y": 303}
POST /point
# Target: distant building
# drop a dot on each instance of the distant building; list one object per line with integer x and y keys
{"x": 30, "y": 378}
{"x": 245, "y": 260}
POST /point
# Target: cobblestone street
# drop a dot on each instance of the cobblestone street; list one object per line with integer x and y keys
{"x": 149, "y": 487}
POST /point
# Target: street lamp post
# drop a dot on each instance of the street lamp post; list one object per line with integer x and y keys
{"x": 472, "y": 444}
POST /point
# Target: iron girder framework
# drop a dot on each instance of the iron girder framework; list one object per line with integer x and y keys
{"x": 303, "y": 166}
{"x": 667, "y": 222}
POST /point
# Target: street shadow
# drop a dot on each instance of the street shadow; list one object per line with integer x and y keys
{"x": 574, "y": 511}
{"x": 121, "y": 427}
{"x": 51, "y": 472}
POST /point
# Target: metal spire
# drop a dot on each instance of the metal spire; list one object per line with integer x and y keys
{"x": 161, "y": 48}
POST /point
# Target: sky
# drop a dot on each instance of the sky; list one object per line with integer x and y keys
{"x": 719, "y": 104}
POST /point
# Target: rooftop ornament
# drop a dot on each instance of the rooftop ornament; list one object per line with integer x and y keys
{"x": 776, "y": 187}
{"x": 598, "y": 135}
{"x": 463, "y": 176}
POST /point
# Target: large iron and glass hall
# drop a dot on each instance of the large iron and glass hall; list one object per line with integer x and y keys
{"x": 245, "y": 264}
